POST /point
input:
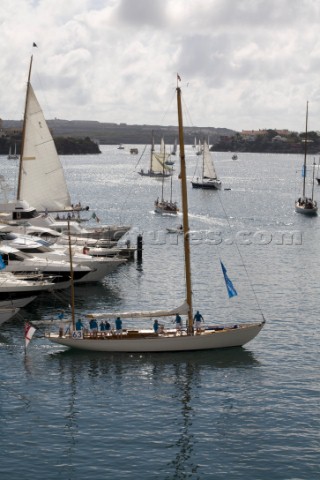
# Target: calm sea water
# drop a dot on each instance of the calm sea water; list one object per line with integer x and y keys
{"x": 234, "y": 414}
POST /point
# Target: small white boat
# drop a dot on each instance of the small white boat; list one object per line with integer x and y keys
{"x": 178, "y": 230}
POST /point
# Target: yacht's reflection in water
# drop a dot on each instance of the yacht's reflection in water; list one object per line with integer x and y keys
{"x": 184, "y": 372}
{"x": 187, "y": 380}
{"x": 184, "y": 464}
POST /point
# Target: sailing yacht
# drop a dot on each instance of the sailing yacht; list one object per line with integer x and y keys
{"x": 164, "y": 340}
{"x": 304, "y": 204}
{"x": 200, "y": 148}
{"x": 41, "y": 181}
{"x": 14, "y": 155}
{"x": 166, "y": 206}
{"x": 158, "y": 167}
{"x": 170, "y": 160}
{"x": 209, "y": 178}
{"x": 318, "y": 174}
{"x": 175, "y": 147}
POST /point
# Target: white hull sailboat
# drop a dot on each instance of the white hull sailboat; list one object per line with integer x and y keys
{"x": 306, "y": 205}
{"x": 147, "y": 341}
{"x": 209, "y": 178}
{"x": 168, "y": 207}
{"x": 41, "y": 180}
{"x": 170, "y": 340}
{"x": 14, "y": 155}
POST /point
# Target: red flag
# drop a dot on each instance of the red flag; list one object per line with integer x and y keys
{"x": 28, "y": 333}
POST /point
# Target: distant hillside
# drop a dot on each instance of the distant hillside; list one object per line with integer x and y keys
{"x": 112, "y": 133}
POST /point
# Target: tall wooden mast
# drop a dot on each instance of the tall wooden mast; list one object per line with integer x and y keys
{"x": 184, "y": 195}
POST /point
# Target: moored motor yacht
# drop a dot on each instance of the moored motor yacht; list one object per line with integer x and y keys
{"x": 20, "y": 262}
{"x": 20, "y": 212}
{"x": 18, "y": 292}
{"x": 99, "y": 266}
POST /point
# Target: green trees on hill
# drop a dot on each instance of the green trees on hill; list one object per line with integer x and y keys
{"x": 269, "y": 141}
{"x": 65, "y": 146}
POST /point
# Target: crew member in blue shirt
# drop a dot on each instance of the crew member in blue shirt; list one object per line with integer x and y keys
{"x": 198, "y": 318}
{"x": 118, "y": 323}
{"x": 79, "y": 324}
{"x": 156, "y": 326}
{"x": 178, "y": 322}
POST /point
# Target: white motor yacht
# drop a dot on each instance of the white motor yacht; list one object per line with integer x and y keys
{"x": 20, "y": 262}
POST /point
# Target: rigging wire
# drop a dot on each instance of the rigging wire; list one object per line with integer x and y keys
{"x": 242, "y": 260}
{"x": 130, "y": 190}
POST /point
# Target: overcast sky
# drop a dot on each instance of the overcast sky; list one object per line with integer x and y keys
{"x": 244, "y": 64}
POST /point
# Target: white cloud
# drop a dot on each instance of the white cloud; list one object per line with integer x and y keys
{"x": 244, "y": 64}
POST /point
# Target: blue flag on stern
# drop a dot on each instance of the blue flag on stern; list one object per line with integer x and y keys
{"x": 304, "y": 171}
{"x": 2, "y": 264}
{"x": 232, "y": 292}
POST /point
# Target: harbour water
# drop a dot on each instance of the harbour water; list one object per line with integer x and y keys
{"x": 248, "y": 413}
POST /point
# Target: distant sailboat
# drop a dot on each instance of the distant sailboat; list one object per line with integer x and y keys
{"x": 158, "y": 167}
{"x": 200, "y": 148}
{"x": 304, "y": 204}
{"x": 14, "y": 155}
{"x": 175, "y": 147}
{"x": 209, "y": 178}
{"x": 166, "y": 206}
{"x": 318, "y": 174}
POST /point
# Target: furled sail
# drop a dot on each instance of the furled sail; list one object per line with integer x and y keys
{"x": 42, "y": 182}
{"x": 182, "y": 310}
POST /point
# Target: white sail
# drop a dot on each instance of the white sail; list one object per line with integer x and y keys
{"x": 158, "y": 159}
{"x": 182, "y": 310}
{"x": 208, "y": 167}
{"x": 42, "y": 182}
